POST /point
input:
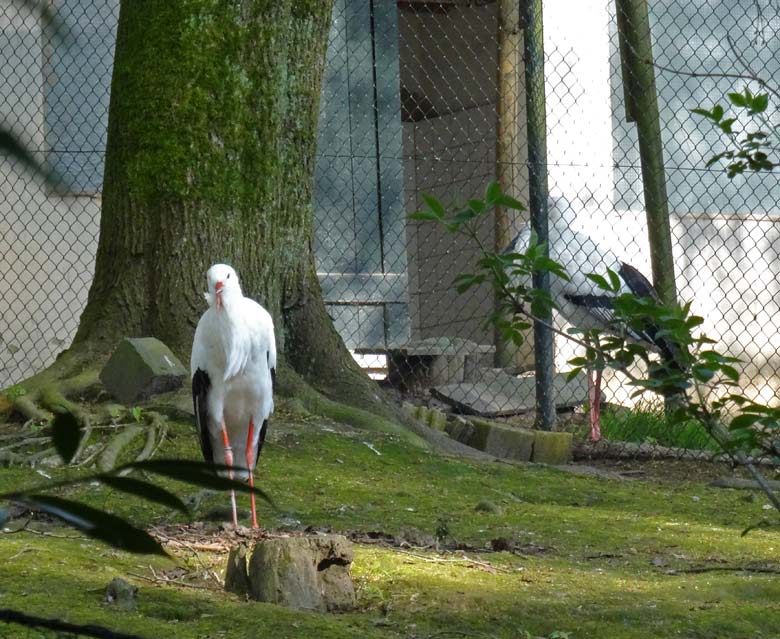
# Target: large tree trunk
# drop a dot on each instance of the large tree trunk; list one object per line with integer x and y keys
{"x": 210, "y": 156}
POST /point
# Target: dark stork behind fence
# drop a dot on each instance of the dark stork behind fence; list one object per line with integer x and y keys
{"x": 581, "y": 302}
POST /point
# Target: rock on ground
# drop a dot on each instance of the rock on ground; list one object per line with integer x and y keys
{"x": 310, "y": 573}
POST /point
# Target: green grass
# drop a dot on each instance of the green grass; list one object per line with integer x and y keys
{"x": 648, "y": 424}
{"x": 596, "y": 560}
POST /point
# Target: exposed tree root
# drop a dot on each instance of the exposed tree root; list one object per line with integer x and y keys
{"x": 380, "y": 417}
{"x": 349, "y": 397}
{"x": 107, "y": 459}
{"x": 26, "y": 406}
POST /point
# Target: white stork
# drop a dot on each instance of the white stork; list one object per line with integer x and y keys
{"x": 580, "y": 301}
{"x": 233, "y": 366}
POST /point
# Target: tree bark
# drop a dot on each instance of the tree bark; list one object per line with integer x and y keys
{"x": 210, "y": 157}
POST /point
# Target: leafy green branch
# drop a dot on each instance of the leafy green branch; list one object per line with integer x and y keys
{"x": 106, "y": 527}
{"x": 693, "y": 368}
{"x": 748, "y": 150}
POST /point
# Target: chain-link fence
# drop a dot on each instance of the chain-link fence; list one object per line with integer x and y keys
{"x": 428, "y": 96}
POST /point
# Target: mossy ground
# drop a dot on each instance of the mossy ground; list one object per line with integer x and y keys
{"x": 594, "y": 557}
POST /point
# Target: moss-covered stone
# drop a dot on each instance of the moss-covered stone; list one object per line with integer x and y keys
{"x": 437, "y": 419}
{"x": 310, "y": 573}
{"x": 236, "y": 576}
{"x": 141, "y": 367}
{"x": 551, "y": 447}
{"x": 506, "y": 442}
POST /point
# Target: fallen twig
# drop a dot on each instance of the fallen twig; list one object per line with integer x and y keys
{"x": 21, "y": 552}
{"x": 164, "y": 580}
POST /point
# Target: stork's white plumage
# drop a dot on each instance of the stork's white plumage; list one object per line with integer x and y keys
{"x": 580, "y": 301}
{"x": 233, "y": 365}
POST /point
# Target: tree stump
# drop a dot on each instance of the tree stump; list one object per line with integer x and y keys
{"x": 310, "y": 573}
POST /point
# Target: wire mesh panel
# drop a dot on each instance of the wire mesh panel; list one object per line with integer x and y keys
{"x": 428, "y": 96}
{"x": 55, "y": 98}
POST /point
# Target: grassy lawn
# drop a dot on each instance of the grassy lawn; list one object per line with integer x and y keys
{"x": 593, "y": 557}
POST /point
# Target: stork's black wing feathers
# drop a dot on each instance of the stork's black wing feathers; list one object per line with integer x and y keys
{"x": 261, "y": 440}
{"x": 637, "y": 283}
{"x": 273, "y": 369}
{"x": 591, "y": 301}
{"x": 602, "y": 305}
{"x": 200, "y": 389}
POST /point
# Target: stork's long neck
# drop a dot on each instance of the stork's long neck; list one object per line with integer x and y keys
{"x": 234, "y": 333}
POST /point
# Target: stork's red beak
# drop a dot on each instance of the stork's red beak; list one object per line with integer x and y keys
{"x": 218, "y": 290}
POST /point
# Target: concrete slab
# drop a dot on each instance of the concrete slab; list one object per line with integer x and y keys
{"x": 497, "y": 394}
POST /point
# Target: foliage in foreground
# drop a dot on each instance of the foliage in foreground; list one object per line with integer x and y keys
{"x": 708, "y": 378}
{"x": 102, "y": 525}
{"x": 591, "y": 556}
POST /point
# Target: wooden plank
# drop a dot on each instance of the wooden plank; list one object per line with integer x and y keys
{"x": 444, "y": 346}
{"x": 363, "y": 287}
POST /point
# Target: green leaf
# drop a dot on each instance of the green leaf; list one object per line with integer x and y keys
{"x": 197, "y": 473}
{"x": 725, "y": 125}
{"x": 463, "y": 216}
{"x": 704, "y": 112}
{"x": 599, "y": 280}
{"x": 737, "y": 99}
{"x": 508, "y": 202}
{"x": 424, "y": 216}
{"x": 730, "y": 372}
{"x": 760, "y": 103}
{"x": 137, "y": 412}
{"x": 95, "y": 523}
{"x": 614, "y": 279}
{"x": 717, "y": 112}
{"x": 478, "y": 206}
{"x": 145, "y": 490}
{"x": 465, "y": 281}
{"x": 437, "y": 208}
{"x": 744, "y": 420}
{"x": 65, "y": 435}
{"x": 493, "y": 193}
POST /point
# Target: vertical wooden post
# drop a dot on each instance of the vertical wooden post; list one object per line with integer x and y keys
{"x": 642, "y": 107}
{"x": 537, "y": 172}
{"x": 510, "y": 156}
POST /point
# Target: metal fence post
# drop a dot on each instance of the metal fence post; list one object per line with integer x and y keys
{"x": 533, "y": 45}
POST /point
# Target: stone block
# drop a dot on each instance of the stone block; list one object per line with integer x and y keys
{"x": 500, "y": 440}
{"x": 142, "y": 367}
{"x": 552, "y": 447}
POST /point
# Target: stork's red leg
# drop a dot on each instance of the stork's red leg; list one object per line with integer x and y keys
{"x": 229, "y": 462}
{"x": 594, "y": 400}
{"x": 595, "y": 433}
{"x": 250, "y": 439}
